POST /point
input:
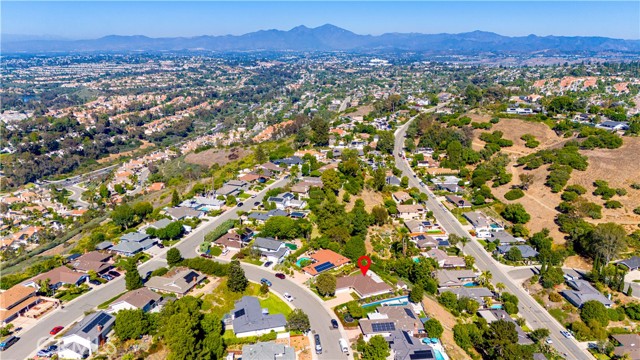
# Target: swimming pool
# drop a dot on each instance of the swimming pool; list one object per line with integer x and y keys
{"x": 301, "y": 260}
{"x": 471, "y": 284}
{"x": 438, "y": 355}
{"x": 396, "y": 301}
{"x": 496, "y": 306}
{"x": 495, "y": 226}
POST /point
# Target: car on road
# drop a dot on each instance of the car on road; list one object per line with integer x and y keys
{"x": 265, "y": 281}
{"x": 334, "y": 323}
{"x": 268, "y": 263}
{"x": 566, "y": 334}
{"x": 56, "y": 330}
{"x": 114, "y": 273}
{"x": 240, "y": 204}
{"x": 288, "y": 297}
{"x": 49, "y": 351}
{"x": 549, "y": 341}
{"x": 257, "y": 203}
{"x": 281, "y": 276}
{"x": 253, "y": 196}
{"x": 95, "y": 282}
{"x": 6, "y": 343}
{"x": 316, "y": 337}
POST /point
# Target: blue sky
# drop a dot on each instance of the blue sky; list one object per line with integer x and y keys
{"x": 86, "y": 20}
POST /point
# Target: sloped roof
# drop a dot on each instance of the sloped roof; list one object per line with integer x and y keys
{"x": 248, "y": 316}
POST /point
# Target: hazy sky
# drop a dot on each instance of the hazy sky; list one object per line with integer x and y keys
{"x": 86, "y": 20}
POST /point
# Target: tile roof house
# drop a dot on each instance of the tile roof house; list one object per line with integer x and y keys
{"x": 454, "y": 278}
{"x": 527, "y": 251}
{"x": 143, "y": 299}
{"x": 629, "y": 345}
{"x": 583, "y": 292}
{"x": 504, "y": 238}
{"x": 444, "y": 260}
{"x": 59, "y": 276}
{"x": 388, "y": 319}
{"x": 178, "y": 281}
{"x": 82, "y": 340}
{"x": 324, "y": 260}
{"x": 408, "y": 212}
{"x": 492, "y": 315}
{"x": 16, "y": 300}
{"x": 400, "y": 196}
{"x": 406, "y": 347}
{"x": 478, "y": 294}
{"x": 272, "y": 249}
{"x": 268, "y": 351}
{"x": 249, "y": 319}
{"x": 230, "y": 240}
{"x": 458, "y": 201}
{"x": 365, "y": 286}
{"x": 94, "y": 260}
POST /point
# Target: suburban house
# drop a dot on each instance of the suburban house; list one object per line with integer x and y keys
{"x": 15, "y": 301}
{"x": 57, "y": 277}
{"x": 231, "y": 241}
{"x": 388, "y": 319}
{"x": 142, "y": 299}
{"x": 369, "y": 285}
{"x": 458, "y": 201}
{"x": 208, "y": 203}
{"x": 455, "y": 278}
{"x": 82, "y": 340}
{"x": 448, "y": 179}
{"x": 181, "y": 212}
{"x": 428, "y": 242}
{"x": 629, "y": 345}
{"x": 324, "y": 260}
{"x": 287, "y": 200}
{"x": 504, "y": 238}
{"x": 583, "y": 292}
{"x": 249, "y": 319}
{"x": 160, "y": 224}
{"x": 611, "y": 125}
{"x": 268, "y": 351}
{"x": 632, "y": 263}
{"x": 454, "y": 188}
{"x": 481, "y": 223}
{"x": 527, "y": 251}
{"x": 178, "y": 281}
{"x": 92, "y": 261}
{"x": 420, "y": 226}
{"x": 272, "y": 249}
{"x": 444, "y": 260}
{"x": 133, "y": 243}
{"x": 261, "y": 217}
{"x": 408, "y": 212}
{"x": 406, "y": 347}
{"x": 400, "y": 197}
{"x": 492, "y": 315}
{"x": 393, "y": 180}
{"x": 478, "y": 294}
{"x": 292, "y": 160}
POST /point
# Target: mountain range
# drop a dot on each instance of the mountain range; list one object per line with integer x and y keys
{"x": 332, "y": 38}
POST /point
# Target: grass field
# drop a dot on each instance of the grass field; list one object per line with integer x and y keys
{"x": 221, "y": 301}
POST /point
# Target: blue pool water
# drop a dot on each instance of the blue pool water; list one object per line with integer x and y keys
{"x": 497, "y": 306}
{"x": 396, "y": 301}
{"x": 301, "y": 260}
{"x": 471, "y": 284}
{"x": 438, "y": 355}
{"x": 494, "y": 226}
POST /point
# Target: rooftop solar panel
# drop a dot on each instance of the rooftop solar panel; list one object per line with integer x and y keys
{"x": 409, "y": 313}
{"x": 98, "y": 320}
{"x": 383, "y": 327}
{"x": 422, "y": 355}
{"x": 323, "y": 267}
{"x": 239, "y": 313}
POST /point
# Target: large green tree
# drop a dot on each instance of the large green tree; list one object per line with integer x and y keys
{"x": 433, "y": 328}
{"x": 237, "y": 281}
{"x": 377, "y": 348}
{"x": 123, "y": 216}
{"x": 174, "y": 257}
{"x": 607, "y": 241}
{"x": 594, "y": 310}
{"x": 298, "y": 320}
{"x": 131, "y": 324}
{"x": 331, "y": 181}
{"x": 132, "y": 279}
{"x": 498, "y": 337}
{"x": 516, "y": 213}
{"x": 326, "y": 284}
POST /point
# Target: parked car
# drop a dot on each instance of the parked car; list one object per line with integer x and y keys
{"x": 107, "y": 277}
{"x": 257, "y": 203}
{"x": 280, "y": 276}
{"x": 288, "y": 297}
{"x": 206, "y": 256}
{"x": 56, "y": 330}
{"x": 224, "y": 252}
{"x": 240, "y": 204}
{"x": 160, "y": 246}
{"x": 48, "y": 351}
{"x": 147, "y": 275}
{"x": 265, "y": 281}
{"x": 549, "y": 341}
{"x": 95, "y": 282}
{"x": 253, "y": 196}
{"x": 316, "y": 337}
{"x": 268, "y": 263}
{"x": 4, "y": 345}
{"x": 114, "y": 273}
{"x": 334, "y": 323}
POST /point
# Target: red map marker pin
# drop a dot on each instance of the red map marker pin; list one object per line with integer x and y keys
{"x": 364, "y": 262}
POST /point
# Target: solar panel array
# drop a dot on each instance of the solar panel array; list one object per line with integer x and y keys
{"x": 101, "y": 319}
{"x": 409, "y": 313}
{"x": 383, "y": 327}
{"x": 323, "y": 267}
{"x": 239, "y": 313}
{"x": 422, "y": 355}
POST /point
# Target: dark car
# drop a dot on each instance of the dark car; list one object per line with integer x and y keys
{"x": 334, "y": 323}
{"x": 56, "y": 330}
{"x": 280, "y": 276}
{"x": 4, "y": 345}
{"x": 268, "y": 263}
{"x": 107, "y": 277}
{"x": 240, "y": 204}
{"x": 114, "y": 273}
{"x": 160, "y": 246}
{"x": 48, "y": 351}
{"x": 95, "y": 282}
{"x": 257, "y": 203}
{"x": 206, "y": 256}
{"x": 316, "y": 337}
{"x": 265, "y": 281}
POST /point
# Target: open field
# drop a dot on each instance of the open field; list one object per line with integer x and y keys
{"x": 215, "y": 156}
{"x": 111, "y": 157}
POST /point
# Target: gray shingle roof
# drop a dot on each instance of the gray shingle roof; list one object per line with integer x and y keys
{"x": 583, "y": 292}
{"x": 526, "y": 250}
{"x": 87, "y": 328}
{"x": 268, "y": 351}
{"x": 632, "y": 263}
{"x": 267, "y": 243}
{"x": 134, "y": 237}
{"x": 248, "y": 316}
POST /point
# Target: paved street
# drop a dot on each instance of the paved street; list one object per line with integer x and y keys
{"x": 34, "y": 338}
{"x": 534, "y": 313}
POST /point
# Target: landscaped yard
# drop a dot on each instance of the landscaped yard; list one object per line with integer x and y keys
{"x": 221, "y": 301}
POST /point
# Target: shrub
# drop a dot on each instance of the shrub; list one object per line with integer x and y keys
{"x": 555, "y": 297}
{"x": 516, "y": 213}
{"x": 613, "y": 204}
{"x": 219, "y": 231}
{"x": 514, "y": 194}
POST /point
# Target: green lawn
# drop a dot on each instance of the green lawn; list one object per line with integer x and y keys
{"x": 244, "y": 196}
{"x": 275, "y": 305}
{"x": 221, "y": 301}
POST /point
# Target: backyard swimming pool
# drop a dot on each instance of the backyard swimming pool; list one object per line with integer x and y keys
{"x": 301, "y": 260}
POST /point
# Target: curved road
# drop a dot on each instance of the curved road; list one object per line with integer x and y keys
{"x": 534, "y": 313}
{"x": 320, "y": 317}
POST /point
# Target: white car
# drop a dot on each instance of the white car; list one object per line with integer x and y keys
{"x": 288, "y": 297}
{"x": 549, "y": 341}
{"x": 566, "y": 334}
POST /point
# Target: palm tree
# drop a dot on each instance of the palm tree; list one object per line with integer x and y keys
{"x": 500, "y": 286}
{"x": 485, "y": 278}
{"x": 465, "y": 240}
